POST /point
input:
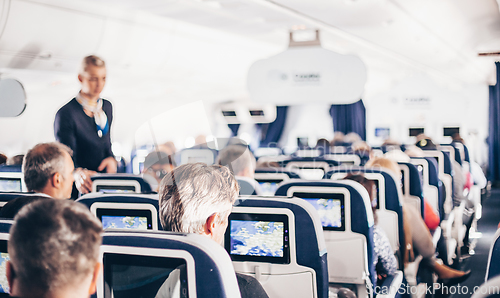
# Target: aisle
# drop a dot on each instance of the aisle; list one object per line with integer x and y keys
{"x": 487, "y": 225}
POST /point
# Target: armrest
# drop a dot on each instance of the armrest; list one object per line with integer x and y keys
{"x": 436, "y": 235}
{"x": 390, "y": 287}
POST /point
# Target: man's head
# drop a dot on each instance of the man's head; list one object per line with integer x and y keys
{"x": 54, "y": 250}
{"x": 92, "y": 75}
{"x": 196, "y": 198}
{"x": 158, "y": 164}
{"x": 239, "y": 159}
{"x": 48, "y": 168}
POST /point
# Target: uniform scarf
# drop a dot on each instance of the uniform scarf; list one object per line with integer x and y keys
{"x": 100, "y": 118}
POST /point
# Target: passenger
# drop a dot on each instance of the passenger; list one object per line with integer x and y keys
{"x": 239, "y": 159}
{"x": 362, "y": 150}
{"x": 197, "y": 198}
{"x": 323, "y": 146}
{"x": 54, "y": 251}
{"x": 352, "y": 138}
{"x": 10, "y": 210}
{"x": 384, "y": 261}
{"x": 48, "y": 171}
{"x": 84, "y": 123}
{"x": 338, "y": 139}
{"x": 459, "y": 178}
{"x": 3, "y": 158}
{"x": 157, "y": 164}
{"x": 15, "y": 160}
{"x": 168, "y": 148}
{"x": 420, "y": 237}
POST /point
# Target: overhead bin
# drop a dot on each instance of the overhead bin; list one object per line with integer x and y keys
{"x": 307, "y": 73}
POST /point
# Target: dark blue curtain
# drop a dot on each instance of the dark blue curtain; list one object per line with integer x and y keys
{"x": 494, "y": 130}
{"x": 271, "y": 132}
{"x": 234, "y": 129}
{"x": 350, "y": 118}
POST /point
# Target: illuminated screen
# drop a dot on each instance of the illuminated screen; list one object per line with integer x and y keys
{"x": 258, "y": 237}
{"x": 268, "y": 187}
{"x": 132, "y": 219}
{"x": 330, "y": 208}
{"x": 115, "y": 188}
{"x": 4, "y": 257}
{"x": 124, "y": 222}
{"x": 311, "y": 174}
{"x": 10, "y": 184}
{"x": 382, "y": 132}
{"x": 141, "y": 276}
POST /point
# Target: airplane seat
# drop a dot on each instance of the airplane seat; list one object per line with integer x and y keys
{"x": 412, "y": 186}
{"x": 390, "y": 212}
{"x": 197, "y": 154}
{"x": 493, "y": 266}
{"x": 489, "y": 289}
{"x": 136, "y": 264}
{"x": 348, "y": 232}
{"x": 4, "y": 255}
{"x": 310, "y": 168}
{"x": 124, "y": 211}
{"x": 270, "y": 178}
{"x": 345, "y": 159}
{"x": 248, "y": 186}
{"x": 5, "y": 197}
{"x": 120, "y": 183}
{"x": 10, "y": 168}
{"x": 293, "y": 262}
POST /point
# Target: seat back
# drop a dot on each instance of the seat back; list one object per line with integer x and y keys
{"x": 122, "y": 183}
{"x": 432, "y": 190}
{"x": 192, "y": 155}
{"x": 347, "y": 219}
{"x": 310, "y": 168}
{"x": 279, "y": 241}
{"x": 493, "y": 266}
{"x": 137, "y": 264}
{"x": 124, "y": 211}
{"x": 4, "y": 256}
{"x": 389, "y": 197}
{"x": 5, "y": 197}
{"x": 344, "y": 159}
{"x": 11, "y": 179}
{"x": 248, "y": 186}
{"x": 270, "y": 178}
{"x": 444, "y": 174}
{"x": 412, "y": 186}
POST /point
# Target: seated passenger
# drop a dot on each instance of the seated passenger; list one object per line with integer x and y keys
{"x": 15, "y": 160}
{"x": 157, "y": 164}
{"x": 238, "y": 159}
{"x": 196, "y": 198}
{"x": 48, "y": 171}
{"x": 419, "y": 235}
{"x": 459, "y": 178}
{"x": 384, "y": 260}
{"x": 54, "y": 251}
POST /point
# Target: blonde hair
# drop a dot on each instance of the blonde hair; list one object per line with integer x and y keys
{"x": 91, "y": 60}
{"x": 384, "y": 162}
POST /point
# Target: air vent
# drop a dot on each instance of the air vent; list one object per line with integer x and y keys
{"x": 229, "y": 113}
{"x": 254, "y": 113}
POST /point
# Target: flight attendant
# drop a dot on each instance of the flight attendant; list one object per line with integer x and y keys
{"x": 84, "y": 124}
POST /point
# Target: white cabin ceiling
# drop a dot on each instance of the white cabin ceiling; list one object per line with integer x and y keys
{"x": 442, "y": 37}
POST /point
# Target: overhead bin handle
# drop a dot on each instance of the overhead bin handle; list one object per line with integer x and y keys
{"x": 307, "y": 43}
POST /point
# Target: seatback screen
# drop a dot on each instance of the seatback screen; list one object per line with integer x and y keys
{"x": 269, "y": 186}
{"x": 258, "y": 238}
{"x": 4, "y": 257}
{"x": 116, "y": 188}
{"x": 144, "y": 276}
{"x": 130, "y": 219}
{"x": 10, "y": 184}
{"x": 330, "y": 208}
